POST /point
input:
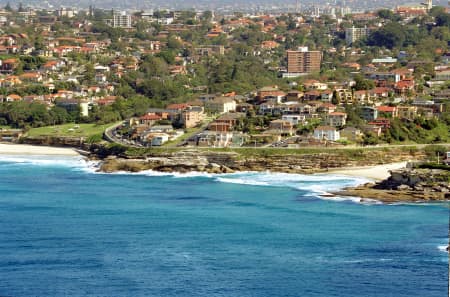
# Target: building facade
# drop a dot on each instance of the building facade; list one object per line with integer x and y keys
{"x": 121, "y": 19}
{"x": 303, "y": 61}
{"x": 353, "y": 34}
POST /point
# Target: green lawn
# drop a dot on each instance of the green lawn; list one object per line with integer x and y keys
{"x": 73, "y": 130}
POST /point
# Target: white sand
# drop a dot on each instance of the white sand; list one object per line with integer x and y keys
{"x": 23, "y": 149}
{"x": 378, "y": 172}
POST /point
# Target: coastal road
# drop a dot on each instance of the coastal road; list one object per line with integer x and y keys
{"x": 111, "y": 137}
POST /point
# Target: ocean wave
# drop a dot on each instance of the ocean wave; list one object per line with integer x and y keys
{"x": 153, "y": 173}
{"x": 74, "y": 162}
{"x": 314, "y": 185}
{"x": 443, "y": 248}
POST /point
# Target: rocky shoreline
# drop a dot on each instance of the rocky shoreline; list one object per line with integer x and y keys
{"x": 406, "y": 185}
{"x": 229, "y": 162}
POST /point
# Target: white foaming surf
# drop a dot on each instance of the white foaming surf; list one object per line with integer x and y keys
{"x": 315, "y": 185}
{"x": 75, "y": 162}
{"x": 443, "y": 248}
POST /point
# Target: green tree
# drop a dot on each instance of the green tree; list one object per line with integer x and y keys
{"x": 363, "y": 84}
{"x": 392, "y": 35}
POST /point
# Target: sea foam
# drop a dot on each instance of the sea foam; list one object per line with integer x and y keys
{"x": 315, "y": 185}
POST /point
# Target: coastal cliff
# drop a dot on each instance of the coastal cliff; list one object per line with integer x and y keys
{"x": 273, "y": 160}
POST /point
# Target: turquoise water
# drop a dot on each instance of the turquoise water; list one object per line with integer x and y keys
{"x": 67, "y": 231}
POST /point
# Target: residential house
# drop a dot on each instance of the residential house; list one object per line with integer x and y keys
{"x": 269, "y": 45}
{"x": 362, "y": 97}
{"x": 407, "y": 112}
{"x": 53, "y": 65}
{"x": 389, "y": 111}
{"x": 384, "y": 61}
{"x": 369, "y": 113}
{"x": 100, "y": 78}
{"x": 270, "y": 92}
{"x": 150, "y": 138}
{"x": 244, "y": 107}
{"x": 326, "y": 133}
{"x": 352, "y": 66}
{"x": 312, "y": 84}
{"x": 221, "y": 105}
{"x": 384, "y": 123}
{"x": 31, "y": 77}
{"x": 379, "y": 92}
{"x": 403, "y": 73}
{"x": 282, "y": 127}
{"x": 374, "y": 129}
{"x": 447, "y": 159}
{"x": 326, "y": 96}
{"x": 230, "y": 118}
{"x": 149, "y": 119}
{"x": 208, "y": 50}
{"x": 220, "y": 127}
{"x": 294, "y": 119}
{"x": 177, "y": 107}
{"x": 107, "y": 100}
{"x": 266, "y": 108}
{"x": 9, "y": 65}
{"x": 312, "y": 95}
{"x": 74, "y": 105}
{"x": 159, "y": 139}
{"x": 351, "y": 134}
{"x": 443, "y": 74}
{"x": 326, "y": 108}
{"x": 336, "y": 119}
{"x": 404, "y": 87}
{"x": 10, "y": 81}
{"x": 212, "y": 139}
{"x": 192, "y": 116}
{"x": 13, "y": 98}
{"x": 161, "y": 129}
{"x": 294, "y": 95}
{"x": 384, "y": 76}
{"x": 429, "y": 104}
{"x": 344, "y": 96}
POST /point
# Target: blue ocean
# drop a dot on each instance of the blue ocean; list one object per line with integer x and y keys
{"x": 66, "y": 230}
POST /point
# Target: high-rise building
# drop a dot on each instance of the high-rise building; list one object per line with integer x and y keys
{"x": 121, "y": 19}
{"x": 353, "y": 34}
{"x": 303, "y": 61}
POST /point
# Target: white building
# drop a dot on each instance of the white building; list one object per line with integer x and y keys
{"x": 159, "y": 139}
{"x": 326, "y": 133}
{"x": 353, "y": 34}
{"x": 121, "y": 19}
{"x": 66, "y": 12}
{"x": 221, "y": 105}
{"x": 294, "y": 119}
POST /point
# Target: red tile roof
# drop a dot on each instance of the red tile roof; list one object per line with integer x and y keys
{"x": 386, "y": 108}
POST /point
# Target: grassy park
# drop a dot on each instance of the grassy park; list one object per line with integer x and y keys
{"x": 68, "y": 130}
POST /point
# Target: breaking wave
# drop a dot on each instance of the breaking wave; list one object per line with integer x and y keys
{"x": 314, "y": 185}
{"x": 49, "y": 161}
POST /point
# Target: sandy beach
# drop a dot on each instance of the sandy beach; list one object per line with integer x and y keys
{"x": 23, "y": 149}
{"x": 378, "y": 172}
